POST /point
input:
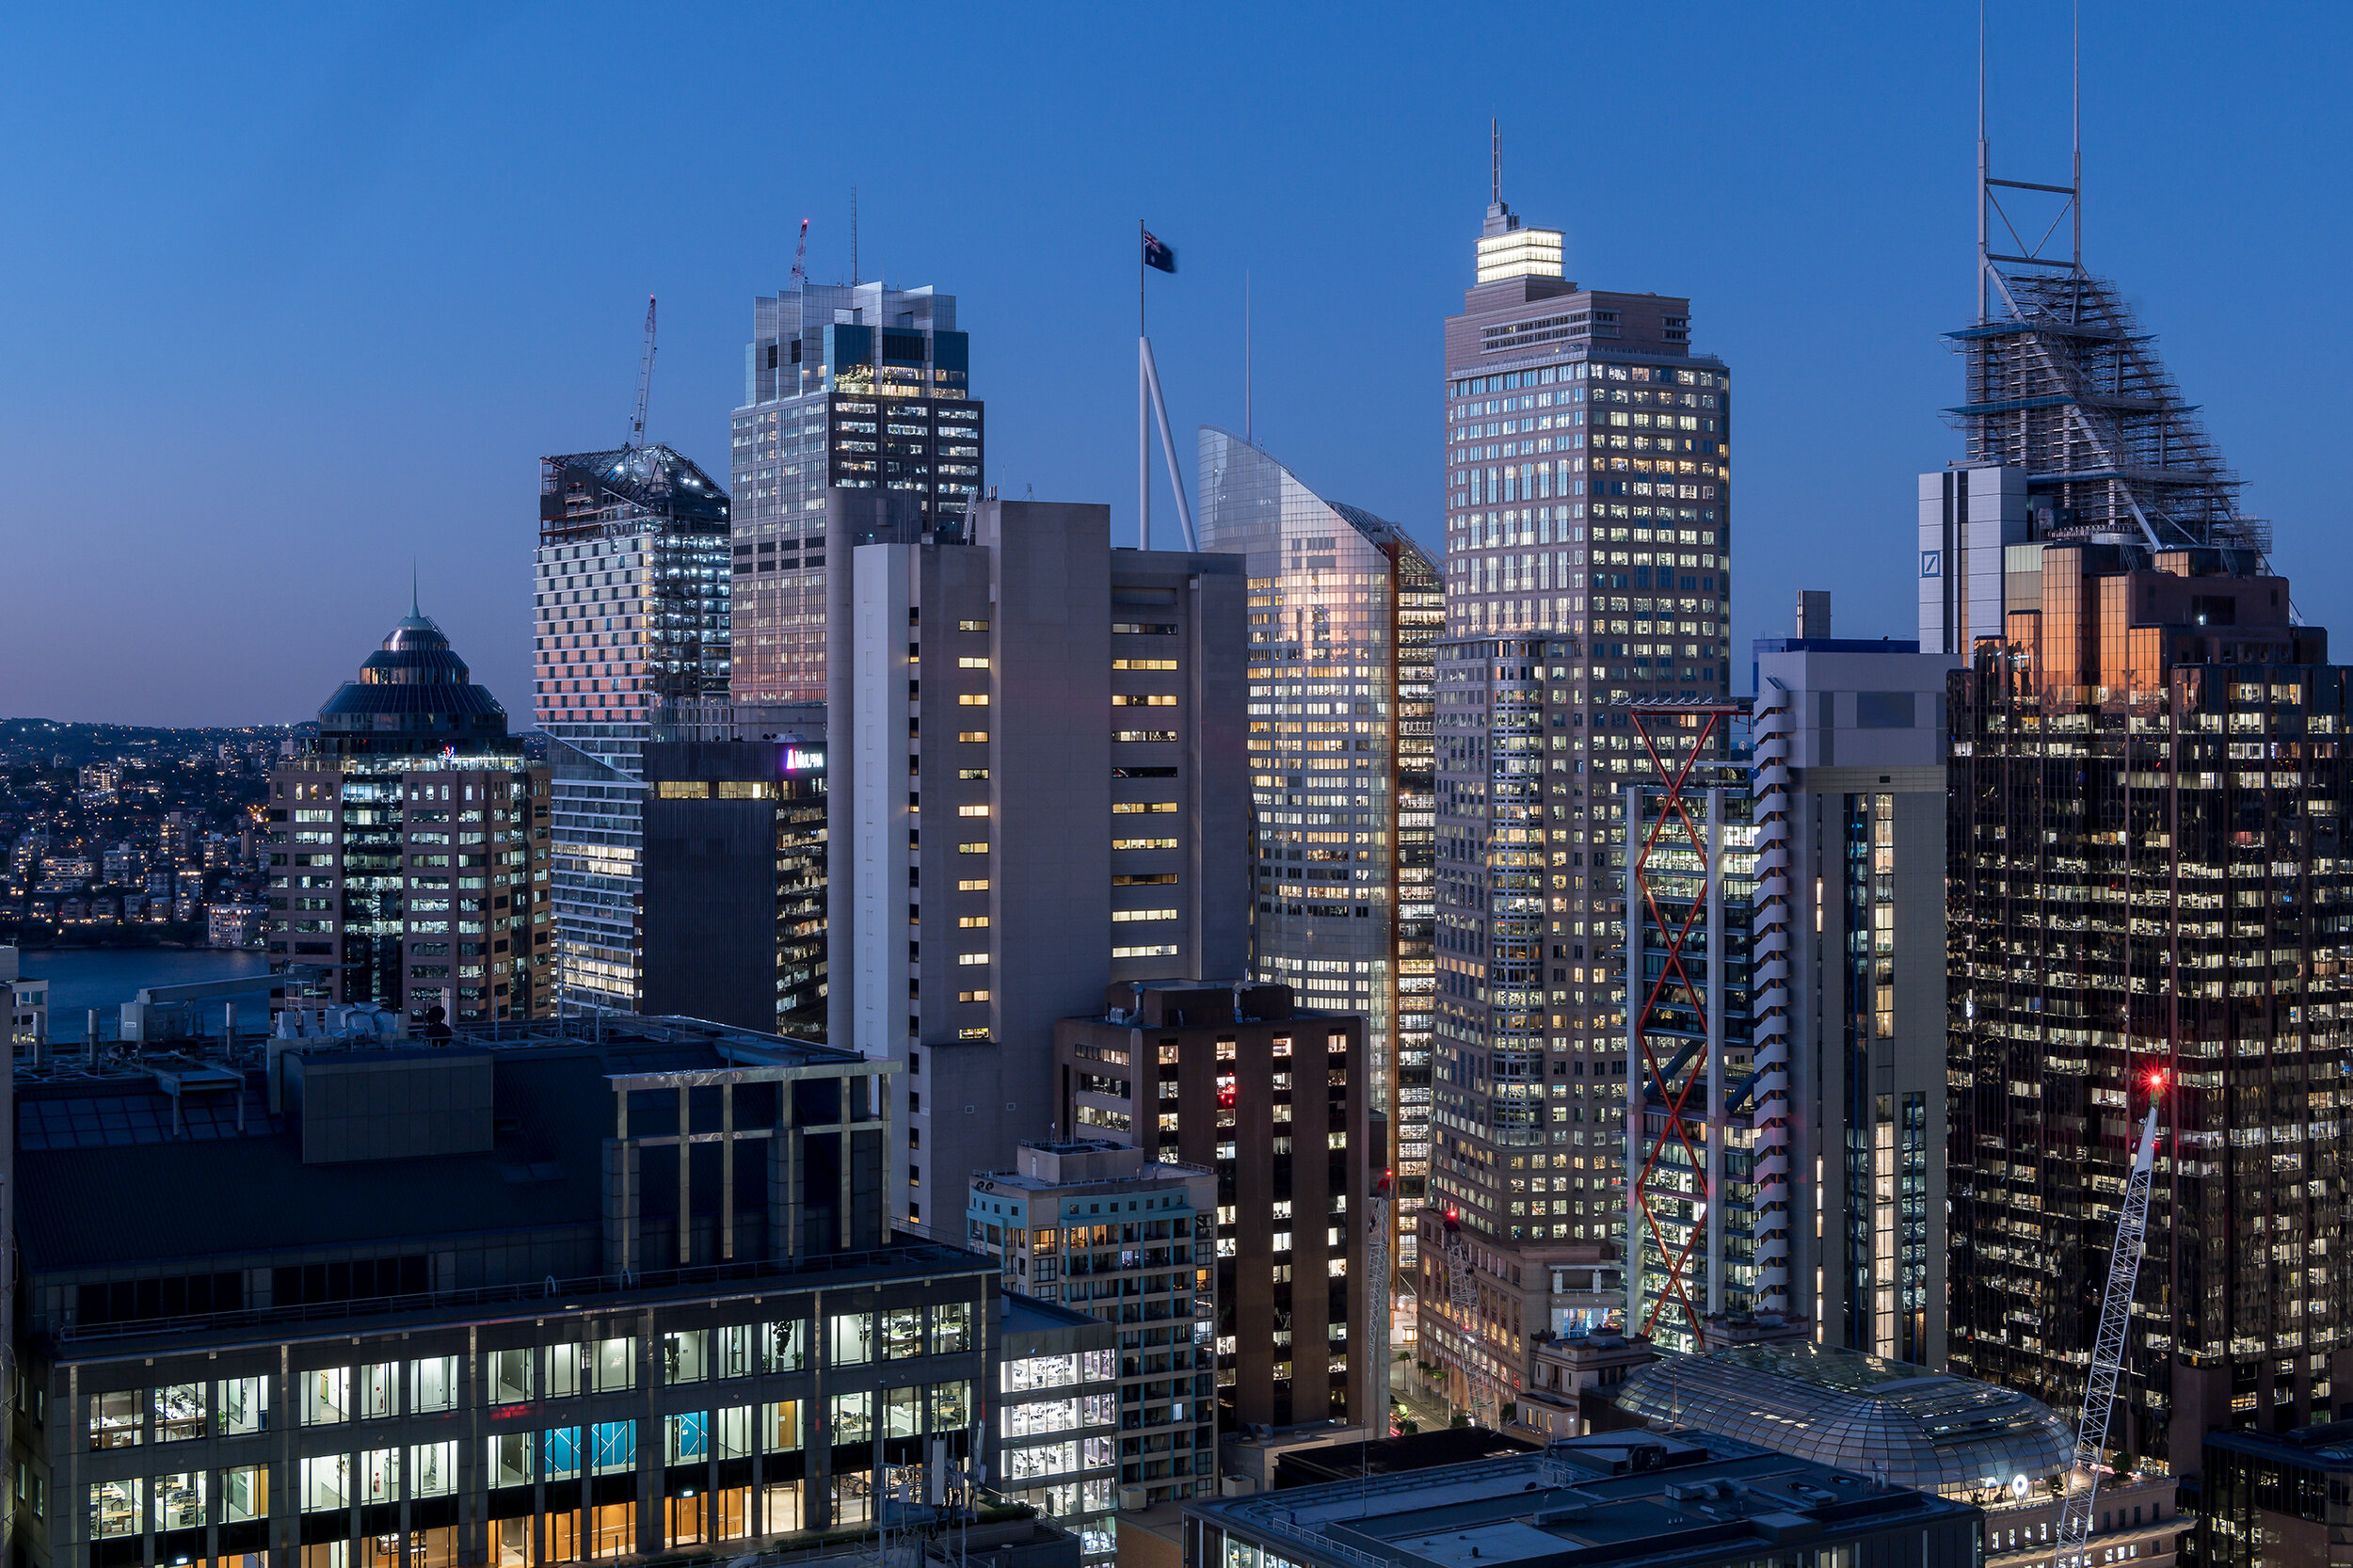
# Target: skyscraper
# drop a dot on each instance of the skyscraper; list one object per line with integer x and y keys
{"x": 2146, "y": 841}
{"x": 1587, "y": 537}
{"x": 860, "y": 386}
{"x": 1068, "y": 719}
{"x": 1344, "y": 611}
{"x": 2144, "y": 879}
{"x": 631, "y": 620}
{"x": 408, "y": 846}
{"x": 1849, "y": 738}
{"x": 732, "y": 927}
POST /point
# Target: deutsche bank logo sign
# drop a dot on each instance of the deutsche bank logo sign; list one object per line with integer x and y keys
{"x": 1931, "y": 563}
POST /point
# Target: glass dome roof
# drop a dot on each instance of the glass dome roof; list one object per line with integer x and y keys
{"x": 1931, "y": 1431}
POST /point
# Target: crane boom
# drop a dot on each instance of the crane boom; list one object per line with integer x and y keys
{"x": 800, "y": 255}
{"x": 645, "y": 381}
{"x": 2109, "y": 1349}
{"x": 1378, "y": 1299}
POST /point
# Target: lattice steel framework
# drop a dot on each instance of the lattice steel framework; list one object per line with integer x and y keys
{"x": 2109, "y": 1351}
{"x": 2063, "y": 382}
{"x": 1675, "y": 1002}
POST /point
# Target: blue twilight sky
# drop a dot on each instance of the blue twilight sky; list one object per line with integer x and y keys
{"x": 297, "y": 292}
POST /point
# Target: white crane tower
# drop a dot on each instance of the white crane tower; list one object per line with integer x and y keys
{"x": 2111, "y": 1348}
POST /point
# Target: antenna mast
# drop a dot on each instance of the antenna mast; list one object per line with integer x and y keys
{"x": 645, "y": 381}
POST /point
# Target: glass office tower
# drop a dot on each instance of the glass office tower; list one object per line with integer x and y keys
{"x": 631, "y": 614}
{"x": 1344, "y": 611}
{"x": 1588, "y": 538}
{"x": 858, "y": 386}
{"x": 2146, "y": 875}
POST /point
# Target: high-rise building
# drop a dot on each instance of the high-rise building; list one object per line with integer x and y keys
{"x": 1850, "y": 740}
{"x": 2144, "y": 869}
{"x": 1057, "y": 1375}
{"x": 1070, "y": 718}
{"x": 1708, "y": 1176}
{"x": 1126, "y": 1238}
{"x": 733, "y": 918}
{"x": 1587, "y": 529}
{"x": 858, "y": 386}
{"x": 1570, "y": 409}
{"x": 631, "y": 619}
{"x": 1234, "y": 1080}
{"x": 1344, "y": 613}
{"x": 408, "y": 846}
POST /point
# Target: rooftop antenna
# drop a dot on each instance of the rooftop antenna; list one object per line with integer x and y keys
{"x": 854, "y": 236}
{"x": 1983, "y": 168}
{"x": 1246, "y": 435}
{"x": 2077, "y": 200}
{"x": 1495, "y": 163}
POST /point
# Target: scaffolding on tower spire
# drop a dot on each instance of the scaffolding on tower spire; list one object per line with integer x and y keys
{"x": 2064, "y": 383}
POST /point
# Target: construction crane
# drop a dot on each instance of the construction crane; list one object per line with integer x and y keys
{"x": 644, "y": 383}
{"x": 800, "y": 255}
{"x": 1461, "y": 1270}
{"x": 2109, "y": 1349}
{"x": 1377, "y": 1298}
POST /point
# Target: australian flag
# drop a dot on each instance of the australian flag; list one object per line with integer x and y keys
{"x": 1156, "y": 254}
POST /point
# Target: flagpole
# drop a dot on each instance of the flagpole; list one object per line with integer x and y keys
{"x": 1143, "y": 418}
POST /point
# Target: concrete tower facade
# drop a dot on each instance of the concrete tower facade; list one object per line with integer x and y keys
{"x": 1034, "y": 762}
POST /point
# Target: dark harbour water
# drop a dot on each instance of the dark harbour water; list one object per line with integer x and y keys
{"x": 83, "y": 978}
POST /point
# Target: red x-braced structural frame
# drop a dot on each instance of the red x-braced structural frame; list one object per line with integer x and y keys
{"x": 1702, "y": 722}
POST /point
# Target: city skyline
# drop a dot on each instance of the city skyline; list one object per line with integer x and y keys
{"x": 322, "y": 184}
{"x": 1412, "y": 974}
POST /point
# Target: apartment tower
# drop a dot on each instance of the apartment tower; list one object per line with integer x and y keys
{"x": 1344, "y": 611}
{"x": 631, "y": 621}
{"x": 1035, "y": 759}
{"x": 1587, "y": 554}
{"x": 860, "y": 387}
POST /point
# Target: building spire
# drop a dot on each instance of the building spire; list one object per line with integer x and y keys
{"x": 1500, "y": 218}
{"x": 412, "y": 588}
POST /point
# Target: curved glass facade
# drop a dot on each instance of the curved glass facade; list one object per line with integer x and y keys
{"x": 1343, "y": 613}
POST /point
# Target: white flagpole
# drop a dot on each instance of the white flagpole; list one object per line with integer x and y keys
{"x": 1144, "y": 415}
{"x": 1168, "y": 447}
